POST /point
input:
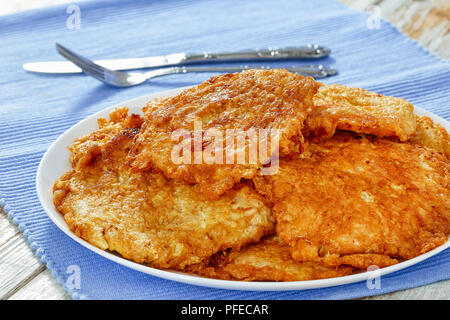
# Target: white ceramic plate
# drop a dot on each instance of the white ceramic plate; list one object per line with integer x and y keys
{"x": 55, "y": 162}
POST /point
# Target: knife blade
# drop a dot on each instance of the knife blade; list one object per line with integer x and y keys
{"x": 309, "y": 51}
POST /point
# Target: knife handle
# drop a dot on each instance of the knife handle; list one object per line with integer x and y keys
{"x": 307, "y": 52}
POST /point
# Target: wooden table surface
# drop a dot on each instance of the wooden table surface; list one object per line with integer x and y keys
{"x": 23, "y": 276}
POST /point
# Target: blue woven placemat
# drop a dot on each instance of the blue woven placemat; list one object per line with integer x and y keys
{"x": 36, "y": 109}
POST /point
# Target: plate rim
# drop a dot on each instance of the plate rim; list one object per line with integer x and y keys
{"x": 181, "y": 277}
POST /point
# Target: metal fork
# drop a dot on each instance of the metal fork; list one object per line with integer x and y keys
{"x": 128, "y": 79}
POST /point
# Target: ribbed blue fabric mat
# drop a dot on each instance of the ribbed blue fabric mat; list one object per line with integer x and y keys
{"x": 36, "y": 109}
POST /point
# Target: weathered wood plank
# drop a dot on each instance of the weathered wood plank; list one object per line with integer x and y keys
{"x": 7, "y": 229}
{"x": 18, "y": 266}
{"x": 426, "y": 21}
{"x": 435, "y": 291}
{"x": 42, "y": 287}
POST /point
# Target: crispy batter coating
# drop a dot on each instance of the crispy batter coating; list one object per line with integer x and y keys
{"x": 267, "y": 260}
{"x": 432, "y": 135}
{"x": 254, "y": 99}
{"x": 359, "y": 110}
{"x": 148, "y": 218}
{"x": 360, "y": 200}
{"x": 86, "y": 148}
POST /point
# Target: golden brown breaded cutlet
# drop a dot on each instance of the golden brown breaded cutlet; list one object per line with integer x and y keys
{"x": 148, "y": 218}
{"x": 375, "y": 194}
{"x": 253, "y": 99}
{"x": 432, "y": 135}
{"x": 361, "y": 201}
{"x": 359, "y": 110}
{"x": 268, "y": 260}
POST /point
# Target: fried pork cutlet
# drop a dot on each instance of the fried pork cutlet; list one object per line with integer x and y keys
{"x": 250, "y": 100}
{"x": 359, "y": 110}
{"x": 267, "y": 260}
{"x": 432, "y": 135}
{"x": 148, "y": 218}
{"x": 361, "y": 201}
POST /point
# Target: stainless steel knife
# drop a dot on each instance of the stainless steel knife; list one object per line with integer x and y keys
{"x": 309, "y": 51}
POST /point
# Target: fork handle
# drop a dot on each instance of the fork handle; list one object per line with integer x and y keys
{"x": 316, "y": 71}
{"x": 307, "y": 51}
